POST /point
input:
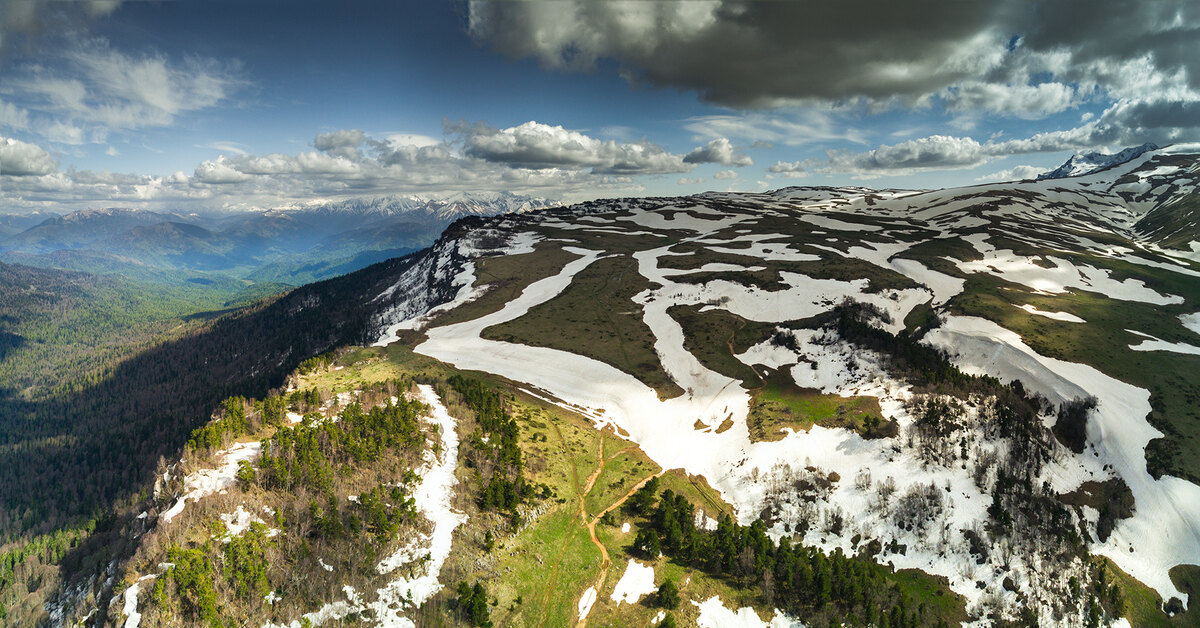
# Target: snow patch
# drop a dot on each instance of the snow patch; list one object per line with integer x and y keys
{"x": 130, "y": 603}
{"x": 638, "y": 580}
{"x": 714, "y": 614}
{"x": 1191, "y": 321}
{"x": 1164, "y": 530}
{"x": 1058, "y": 316}
{"x": 205, "y": 482}
{"x": 586, "y": 601}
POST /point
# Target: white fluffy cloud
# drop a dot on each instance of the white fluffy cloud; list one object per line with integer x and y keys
{"x": 536, "y": 146}
{"x": 933, "y": 152}
{"x": 347, "y": 163}
{"x": 726, "y": 174}
{"x": 718, "y": 151}
{"x": 1016, "y": 173}
{"x": 1019, "y": 100}
{"x": 788, "y": 168}
{"x": 21, "y": 159}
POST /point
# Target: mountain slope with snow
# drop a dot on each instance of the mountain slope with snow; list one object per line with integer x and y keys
{"x": 983, "y": 398}
{"x": 1087, "y": 163}
{"x": 1048, "y": 283}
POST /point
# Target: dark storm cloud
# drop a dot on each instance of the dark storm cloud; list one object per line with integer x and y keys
{"x": 756, "y": 54}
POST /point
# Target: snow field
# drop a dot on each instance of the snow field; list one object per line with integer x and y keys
{"x": 1021, "y": 269}
{"x": 638, "y": 580}
{"x": 741, "y": 470}
{"x": 1164, "y": 530}
{"x": 664, "y": 429}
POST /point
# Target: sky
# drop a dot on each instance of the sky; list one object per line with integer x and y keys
{"x": 214, "y": 105}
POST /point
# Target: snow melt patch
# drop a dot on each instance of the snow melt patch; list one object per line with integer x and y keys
{"x": 205, "y": 482}
{"x": 1191, "y": 321}
{"x": 637, "y": 581}
{"x": 130, "y": 603}
{"x": 1155, "y": 344}
{"x": 1058, "y": 316}
{"x": 586, "y": 601}
{"x": 237, "y": 522}
{"x": 1021, "y": 269}
{"x": 714, "y": 614}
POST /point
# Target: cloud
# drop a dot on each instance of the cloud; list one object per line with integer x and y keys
{"x": 1126, "y": 122}
{"x": 13, "y": 117}
{"x": 718, "y": 151}
{"x": 926, "y": 153}
{"x": 875, "y": 52}
{"x": 1016, "y": 173}
{"x": 342, "y": 143}
{"x": 20, "y": 159}
{"x": 534, "y": 145}
{"x": 83, "y": 91}
{"x": 227, "y": 147}
{"x": 346, "y": 168}
{"x": 793, "y": 128}
{"x": 687, "y": 181}
{"x": 789, "y": 168}
{"x": 726, "y": 174}
{"x": 1020, "y": 100}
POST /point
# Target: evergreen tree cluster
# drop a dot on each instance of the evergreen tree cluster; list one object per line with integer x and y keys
{"x": 497, "y": 440}
{"x": 803, "y": 581}
{"x": 471, "y": 605}
{"x": 311, "y": 453}
{"x": 187, "y": 590}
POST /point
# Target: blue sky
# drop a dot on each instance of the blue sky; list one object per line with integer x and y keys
{"x": 213, "y": 105}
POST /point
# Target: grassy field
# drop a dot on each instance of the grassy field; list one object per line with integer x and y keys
{"x": 780, "y": 403}
{"x": 715, "y": 336}
{"x": 506, "y": 277}
{"x": 596, "y": 317}
{"x": 1142, "y": 605}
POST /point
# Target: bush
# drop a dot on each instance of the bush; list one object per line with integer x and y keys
{"x": 668, "y": 594}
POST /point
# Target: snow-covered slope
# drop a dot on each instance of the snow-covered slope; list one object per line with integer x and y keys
{"x": 1087, "y": 163}
{"x": 1045, "y": 282}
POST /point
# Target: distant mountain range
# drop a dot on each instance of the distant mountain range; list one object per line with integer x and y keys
{"x": 1086, "y": 163}
{"x": 289, "y": 246}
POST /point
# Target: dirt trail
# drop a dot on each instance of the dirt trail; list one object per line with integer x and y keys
{"x": 605, "y": 561}
{"x": 590, "y": 523}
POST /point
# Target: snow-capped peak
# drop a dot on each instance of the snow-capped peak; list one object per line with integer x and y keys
{"x": 1087, "y": 163}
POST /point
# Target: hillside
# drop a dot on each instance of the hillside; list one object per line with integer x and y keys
{"x": 875, "y": 407}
